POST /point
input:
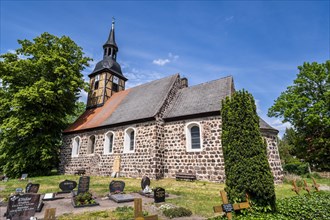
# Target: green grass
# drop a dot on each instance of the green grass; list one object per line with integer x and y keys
{"x": 198, "y": 196}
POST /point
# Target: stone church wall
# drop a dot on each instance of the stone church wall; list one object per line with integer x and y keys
{"x": 135, "y": 164}
{"x": 160, "y": 151}
{"x": 207, "y": 164}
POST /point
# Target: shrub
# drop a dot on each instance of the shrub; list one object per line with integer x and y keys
{"x": 177, "y": 212}
{"x": 246, "y": 165}
{"x": 84, "y": 199}
{"x": 314, "y": 206}
{"x": 297, "y": 168}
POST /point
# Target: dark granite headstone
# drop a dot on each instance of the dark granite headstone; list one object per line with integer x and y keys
{"x": 159, "y": 195}
{"x": 83, "y": 185}
{"x": 67, "y": 186}
{"x": 145, "y": 182}
{"x": 116, "y": 186}
{"x": 32, "y": 188}
{"x": 22, "y": 206}
{"x": 121, "y": 198}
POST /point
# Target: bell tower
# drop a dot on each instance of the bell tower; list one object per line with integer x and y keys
{"x": 107, "y": 77}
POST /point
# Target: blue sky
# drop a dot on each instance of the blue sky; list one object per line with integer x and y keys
{"x": 259, "y": 43}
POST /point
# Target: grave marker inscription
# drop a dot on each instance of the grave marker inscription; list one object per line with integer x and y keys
{"x": 159, "y": 195}
{"x": 22, "y": 207}
{"x": 67, "y": 186}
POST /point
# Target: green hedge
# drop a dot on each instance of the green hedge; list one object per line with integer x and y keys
{"x": 296, "y": 168}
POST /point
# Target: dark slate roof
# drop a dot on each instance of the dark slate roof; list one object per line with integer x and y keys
{"x": 143, "y": 101}
{"x": 111, "y": 39}
{"x": 108, "y": 64}
{"x": 265, "y": 126}
{"x": 138, "y": 103}
{"x": 200, "y": 99}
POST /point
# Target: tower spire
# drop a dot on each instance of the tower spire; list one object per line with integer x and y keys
{"x": 110, "y": 47}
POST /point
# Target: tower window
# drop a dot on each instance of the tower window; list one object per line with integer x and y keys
{"x": 96, "y": 82}
{"x": 114, "y": 87}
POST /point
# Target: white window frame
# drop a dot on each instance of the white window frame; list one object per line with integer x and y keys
{"x": 107, "y": 142}
{"x": 188, "y": 137}
{"x": 75, "y": 146}
{"x": 89, "y": 145}
{"x": 127, "y": 140}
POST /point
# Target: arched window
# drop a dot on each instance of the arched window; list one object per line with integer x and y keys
{"x": 193, "y": 137}
{"x": 91, "y": 145}
{"x": 108, "y": 143}
{"x": 129, "y": 140}
{"x": 75, "y": 146}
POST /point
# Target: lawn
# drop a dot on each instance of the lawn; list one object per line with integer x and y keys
{"x": 198, "y": 196}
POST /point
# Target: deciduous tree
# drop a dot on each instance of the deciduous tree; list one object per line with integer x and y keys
{"x": 306, "y": 105}
{"x": 40, "y": 84}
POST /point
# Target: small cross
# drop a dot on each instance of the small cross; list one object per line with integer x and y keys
{"x": 296, "y": 189}
{"x": 229, "y": 208}
{"x": 315, "y": 185}
{"x": 306, "y": 187}
{"x": 138, "y": 215}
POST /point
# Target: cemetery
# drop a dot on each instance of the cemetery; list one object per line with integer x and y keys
{"x": 204, "y": 199}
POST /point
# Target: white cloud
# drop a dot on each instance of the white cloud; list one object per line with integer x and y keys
{"x": 257, "y": 102}
{"x": 161, "y": 62}
{"x": 173, "y": 57}
{"x": 139, "y": 76}
{"x": 278, "y": 124}
{"x": 229, "y": 18}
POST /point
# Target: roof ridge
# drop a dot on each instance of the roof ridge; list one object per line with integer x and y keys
{"x": 208, "y": 82}
{"x": 153, "y": 81}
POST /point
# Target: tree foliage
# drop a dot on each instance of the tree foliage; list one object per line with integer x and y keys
{"x": 40, "y": 84}
{"x": 306, "y": 105}
{"x": 245, "y": 152}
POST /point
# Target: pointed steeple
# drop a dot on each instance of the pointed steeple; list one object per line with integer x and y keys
{"x": 110, "y": 47}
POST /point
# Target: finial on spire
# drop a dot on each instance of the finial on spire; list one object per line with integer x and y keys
{"x": 113, "y": 23}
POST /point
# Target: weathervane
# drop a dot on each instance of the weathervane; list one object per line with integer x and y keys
{"x": 113, "y": 22}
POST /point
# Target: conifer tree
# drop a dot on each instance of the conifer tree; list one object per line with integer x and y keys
{"x": 245, "y": 152}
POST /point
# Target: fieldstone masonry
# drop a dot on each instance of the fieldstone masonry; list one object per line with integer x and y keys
{"x": 160, "y": 151}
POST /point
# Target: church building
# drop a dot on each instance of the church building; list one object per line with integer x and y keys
{"x": 157, "y": 129}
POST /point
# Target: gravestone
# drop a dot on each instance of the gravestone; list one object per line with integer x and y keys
{"x": 116, "y": 164}
{"x": 83, "y": 185}
{"x": 19, "y": 190}
{"x": 121, "y": 198}
{"x": 67, "y": 186}
{"x": 159, "y": 195}
{"x": 24, "y": 176}
{"x": 116, "y": 186}
{"x": 32, "y": 188}
{"x": 22, "y": 206}
{"x": 145, "y": 182}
